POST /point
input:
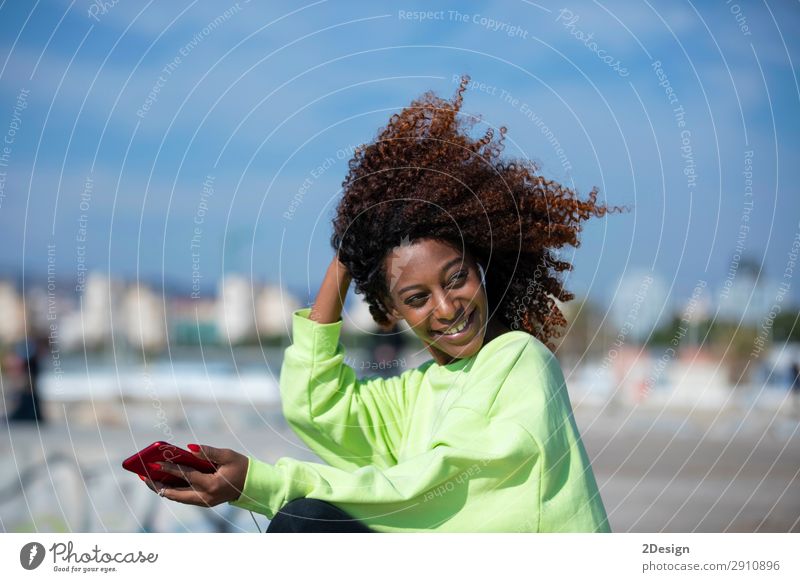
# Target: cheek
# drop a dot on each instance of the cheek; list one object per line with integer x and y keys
{"x": 477, "y": 294}
{"x": 416, "y": 319}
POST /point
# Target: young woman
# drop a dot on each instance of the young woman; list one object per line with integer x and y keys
{"x": 435, "y": 229}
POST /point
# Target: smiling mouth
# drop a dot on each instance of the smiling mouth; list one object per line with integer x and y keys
{"x": 457, "y": 330}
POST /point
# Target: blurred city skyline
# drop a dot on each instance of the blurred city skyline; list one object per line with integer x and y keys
{"x": 240, "y": 310}
{"x": 174, "y": 140}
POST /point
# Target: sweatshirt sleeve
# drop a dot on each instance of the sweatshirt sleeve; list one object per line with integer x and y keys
{"x": 418, "y": 493}
{"x": 348, "y": 422}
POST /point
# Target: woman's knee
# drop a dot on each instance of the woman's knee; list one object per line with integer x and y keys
{"x": 309, "y": 508}
{"x": 313, "y": 515}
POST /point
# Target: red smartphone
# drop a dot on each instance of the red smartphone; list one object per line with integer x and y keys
{"x": 160, "y": 451}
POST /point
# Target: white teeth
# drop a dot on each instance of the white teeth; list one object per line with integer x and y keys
{"x": 456, "y": 329}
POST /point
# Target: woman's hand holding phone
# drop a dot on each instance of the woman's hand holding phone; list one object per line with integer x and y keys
{"x": 204, "y": 489}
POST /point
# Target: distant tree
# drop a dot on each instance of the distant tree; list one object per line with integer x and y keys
{"x": 786, "y": 327}
{"x": 733, "y": 343}
{"x": 750, "y": 266}
{"x": 583, "y": 321}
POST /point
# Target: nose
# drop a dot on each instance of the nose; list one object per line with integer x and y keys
{"x": 446, "y": 310}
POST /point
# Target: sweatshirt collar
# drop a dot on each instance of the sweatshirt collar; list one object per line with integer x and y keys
{"x": 488, "y": 347}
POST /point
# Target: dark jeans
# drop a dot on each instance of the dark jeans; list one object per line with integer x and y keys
{"x": 314, "y": 516}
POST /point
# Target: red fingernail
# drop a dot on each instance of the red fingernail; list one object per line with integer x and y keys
{"x": 154, "y": 466}
{"x": 142, "y": 477}
{"x": 194, "y": 448}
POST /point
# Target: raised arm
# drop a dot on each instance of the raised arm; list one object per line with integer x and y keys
{"x": 328, "y": 305}
{"x": 348, "y": 422}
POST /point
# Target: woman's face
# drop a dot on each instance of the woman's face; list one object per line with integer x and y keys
{"x": 437, "y": 290}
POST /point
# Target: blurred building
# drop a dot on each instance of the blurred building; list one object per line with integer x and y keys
{"x": 12, "y": 320}
{"x": 100, "y": 305}
{"x": 236, "y": 321}
{"x": 640, "y": 305}
{"x": 143, "y": 318}
{"x": 192, "y": 321}
{"x": 274, "y": 307}
{"x": 357, "y": 318}
{"x": 747, "y": 298}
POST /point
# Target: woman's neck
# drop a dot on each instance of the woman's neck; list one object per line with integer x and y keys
{"x": 494, "y": 329}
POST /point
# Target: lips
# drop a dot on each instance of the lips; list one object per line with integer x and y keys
{"x": 467, "y": 326}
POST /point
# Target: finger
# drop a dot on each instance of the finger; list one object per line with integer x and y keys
{"x": 178, "y": 494}
{"x": 148, "y": 482}
{"x": 194, "y": 478}
{"x": 155, "y": 486}
{"x": 185, "y": 495}
{"x": 191, "y": 476}
{"x": 167, "y": 467}
{"x": 210, "y": 454}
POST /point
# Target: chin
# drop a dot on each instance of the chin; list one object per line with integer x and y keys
{"x": 465, "y": 344}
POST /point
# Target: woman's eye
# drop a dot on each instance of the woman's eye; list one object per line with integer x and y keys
{"x": 416, "y": 300}
{"x": 458, "y": 277}
{"x": 455, "y": 280}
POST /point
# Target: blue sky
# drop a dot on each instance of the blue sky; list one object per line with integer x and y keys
{"x": 262, "y": 98}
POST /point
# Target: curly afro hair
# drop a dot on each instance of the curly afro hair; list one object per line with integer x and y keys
{"x": 424, "y": 177}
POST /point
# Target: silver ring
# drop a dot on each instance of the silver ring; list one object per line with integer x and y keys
{"x": 161, "y": 491}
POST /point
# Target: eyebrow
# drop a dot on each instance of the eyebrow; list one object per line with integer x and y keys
{"x": 444, "y": 269}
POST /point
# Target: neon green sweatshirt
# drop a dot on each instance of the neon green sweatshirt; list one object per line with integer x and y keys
{"x": 486, "y": 443}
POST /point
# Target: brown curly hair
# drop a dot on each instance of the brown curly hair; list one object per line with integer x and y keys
{"x": 424, "y": 177}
